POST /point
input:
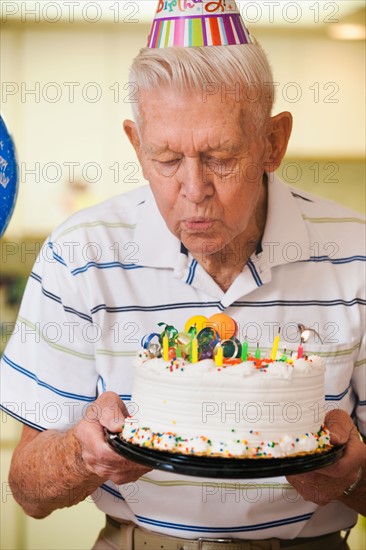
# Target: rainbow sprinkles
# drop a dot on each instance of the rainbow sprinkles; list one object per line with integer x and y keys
{"x": 242, "y": 406}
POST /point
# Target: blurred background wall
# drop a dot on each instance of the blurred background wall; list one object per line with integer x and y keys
{"x": 64, "y": 95}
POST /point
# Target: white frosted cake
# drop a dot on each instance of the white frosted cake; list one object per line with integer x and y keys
{"x": 245, "y": 409}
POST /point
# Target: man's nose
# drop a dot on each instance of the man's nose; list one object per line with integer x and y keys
{"x": 195, "y": 180}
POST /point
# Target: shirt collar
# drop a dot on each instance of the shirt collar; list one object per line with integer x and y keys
{"x": 285, "y": 238}
{"x": 158, "y": 247}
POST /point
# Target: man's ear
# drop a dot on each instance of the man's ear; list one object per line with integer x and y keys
{"x": 131, "y": 131}
{"x": 133, "y": 135}
{"x": 278, "y": 135}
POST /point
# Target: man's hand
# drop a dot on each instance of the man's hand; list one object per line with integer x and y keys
{"x": 54, "y": 469}
{"x": 328, "y": 484}
{"x": 109, "y": 412}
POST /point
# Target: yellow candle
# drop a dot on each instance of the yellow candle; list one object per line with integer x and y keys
{"x": 219, "y": 359}
{"x": 194, "y": 350}
{"x": 165, "y": 347}
{"x": 275, "y": 346}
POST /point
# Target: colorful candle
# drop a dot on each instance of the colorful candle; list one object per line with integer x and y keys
{"x": 165, "y": 347}
{"x": 300, "y": 349}
{"x": 244, "y": 350}
{"x": 275, "y": 346}
{"x": 219, "y": 359}
{"x": 258, "y": 352}
{"x": 194, "y": 350}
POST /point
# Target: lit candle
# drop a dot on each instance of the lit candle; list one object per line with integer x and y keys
{"x": 244, "y": 350}
{"x": 257, "y": 352}
{"x": 275, "y": 346}
{"x": 165, "y": 347}
{"x": 194, "y": 350}
{"x": 219, "y": 359}
{"x": 300, "y": 349}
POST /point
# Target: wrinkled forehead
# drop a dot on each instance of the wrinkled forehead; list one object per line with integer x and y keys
{"x": 170, "y": 115}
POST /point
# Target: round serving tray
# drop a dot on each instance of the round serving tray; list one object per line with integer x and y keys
{"x": 217, "y": 467}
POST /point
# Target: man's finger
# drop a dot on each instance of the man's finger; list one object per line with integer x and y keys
{"x": 340, "y": 425}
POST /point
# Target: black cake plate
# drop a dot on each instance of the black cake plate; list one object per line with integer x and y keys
{"x": 227, "y": 468}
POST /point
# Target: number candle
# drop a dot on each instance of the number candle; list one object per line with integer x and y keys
{"x": 275, "y": 345}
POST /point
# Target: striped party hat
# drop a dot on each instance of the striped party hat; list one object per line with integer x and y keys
{"x": 197, "y": 23}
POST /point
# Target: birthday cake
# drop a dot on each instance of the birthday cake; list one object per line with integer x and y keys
{"x": 201, "y": 393}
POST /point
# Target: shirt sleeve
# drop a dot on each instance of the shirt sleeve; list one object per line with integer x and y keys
{"x": 359, "y": 386}
{"x": 48, "y": 373}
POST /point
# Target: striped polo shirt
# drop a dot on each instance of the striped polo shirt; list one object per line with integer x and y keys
{"x": 109, "y": 274}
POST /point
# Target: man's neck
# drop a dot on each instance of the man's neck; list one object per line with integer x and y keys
{"x": 224, "y": 266}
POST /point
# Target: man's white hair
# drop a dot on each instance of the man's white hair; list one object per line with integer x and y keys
{"x": 208, "y": 70}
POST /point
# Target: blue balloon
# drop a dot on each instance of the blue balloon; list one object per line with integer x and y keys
{"x": 8, "y": 177}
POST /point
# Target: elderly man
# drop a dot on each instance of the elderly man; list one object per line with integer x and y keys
{"x": 213, "y": 231}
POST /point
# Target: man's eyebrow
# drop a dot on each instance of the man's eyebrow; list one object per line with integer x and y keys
{"x": 222, "y": 148}
{"x": 156, "y": 150}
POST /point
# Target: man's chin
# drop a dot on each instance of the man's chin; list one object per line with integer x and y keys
{"x": 201, "y": 245}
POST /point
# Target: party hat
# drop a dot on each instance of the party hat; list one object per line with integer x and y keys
{"x": 197, "y": 23}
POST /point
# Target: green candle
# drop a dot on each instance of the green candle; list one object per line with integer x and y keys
{"x": 244, "y": 350}
{"x": 284, "y": 355}
{"x": 257, "y": 352}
